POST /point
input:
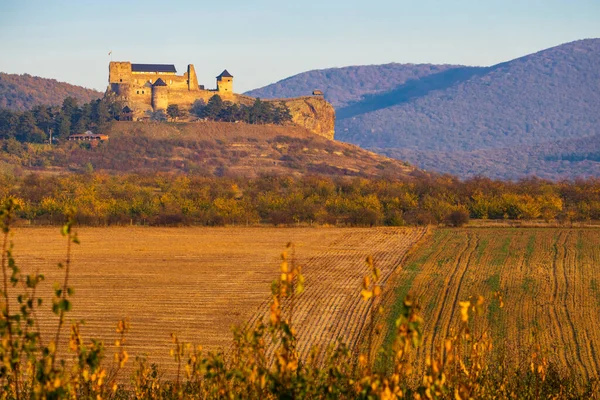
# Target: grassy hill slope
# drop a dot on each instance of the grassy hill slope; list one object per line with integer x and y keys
{"x": 555, "y": 160}
{"x": 209, "y": 148}
{"x": 22, "y": 92}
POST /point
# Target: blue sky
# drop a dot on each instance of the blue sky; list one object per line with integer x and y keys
{"x": 263, "y": 41}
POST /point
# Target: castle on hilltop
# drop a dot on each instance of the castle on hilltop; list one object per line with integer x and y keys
{"x": 145, "y": 87}
{"x": 152, "y": 87}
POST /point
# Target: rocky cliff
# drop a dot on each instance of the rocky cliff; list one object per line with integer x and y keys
{"x": 313, "y": 113}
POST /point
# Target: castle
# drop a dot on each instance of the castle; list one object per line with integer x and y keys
{"x": 145, "y": 87}
{"x": 153, "y": 87}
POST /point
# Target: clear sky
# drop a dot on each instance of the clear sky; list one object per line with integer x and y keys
{"x": 263, "y": 41}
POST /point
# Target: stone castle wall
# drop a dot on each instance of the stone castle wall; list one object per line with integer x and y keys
{"x": 137, "y": 91}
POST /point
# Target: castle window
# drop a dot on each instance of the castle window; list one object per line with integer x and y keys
{"x": 138, "y": 92}
{"x": 142, "y": 92}
{"x": 120, "y": 80}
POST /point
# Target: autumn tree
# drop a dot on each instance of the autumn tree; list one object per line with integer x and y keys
{"x": 458, "y": 218}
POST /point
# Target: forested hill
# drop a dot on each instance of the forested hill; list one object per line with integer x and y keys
{"x": 22, "y": 92}
{"x": 348, "y": 85}
{"x": 532, "y": 102}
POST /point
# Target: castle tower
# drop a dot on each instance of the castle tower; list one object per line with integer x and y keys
{"x": 119, "y": 78}
{"x": 192, "y": 78}
{"x": 119, "y": 72}
{"x": 160, "y": 95}
{"x": 225, "y": 82}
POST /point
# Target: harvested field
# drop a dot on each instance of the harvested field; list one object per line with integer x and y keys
{"x": 199, "y": 282}
{"x": 549, "y": 280}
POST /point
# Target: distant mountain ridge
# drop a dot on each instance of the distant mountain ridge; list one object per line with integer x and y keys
{"x": 527, "y": 104}
{"x": 348, "y": 85}
{"x": 22, "y": 92}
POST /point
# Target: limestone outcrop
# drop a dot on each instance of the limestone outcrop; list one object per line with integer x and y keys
{"x": 313, "y": 113}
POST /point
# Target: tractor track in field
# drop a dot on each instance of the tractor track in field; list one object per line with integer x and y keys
{"x": 554, "y": 313}
{"x": 454, "y": 306}
{"x": 550, "y": 288}
{"x": 564, "y": 303}
{"x": 465, "y": 254}
{"x": 331, "y": 307}
{"x": 567, "y": 333}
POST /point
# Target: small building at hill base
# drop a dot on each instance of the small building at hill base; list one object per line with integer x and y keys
{"x": 88, "y": 136}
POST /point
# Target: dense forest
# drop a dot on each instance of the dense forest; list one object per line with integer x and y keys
{"x": 23, "y": 92}
{"x": 460, "y": 112}
{"x": 176, "y": 199}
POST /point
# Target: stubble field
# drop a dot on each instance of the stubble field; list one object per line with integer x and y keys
{"x": 548, "y": 281}
{"x": 200, "y": 282}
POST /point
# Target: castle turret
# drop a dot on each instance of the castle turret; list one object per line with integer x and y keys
{"x": 160, "y": 95}
{"x": 225, "y": 82}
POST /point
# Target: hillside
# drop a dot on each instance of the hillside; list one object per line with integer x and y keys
{"x": 207, "y": 148}
{"x": 22, "y": 92}
{"x": 569, "y": 158}
{"x": 477, "y": 115}
{"x": 345, "y": 86}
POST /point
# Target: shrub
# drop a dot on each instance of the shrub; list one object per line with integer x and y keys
{"x": 457, "y": 218}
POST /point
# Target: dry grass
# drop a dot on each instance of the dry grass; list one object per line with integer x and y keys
{"x": 245, "y": 149}
{"x": 548, "y": 279}
{"x": 199, "y": 282}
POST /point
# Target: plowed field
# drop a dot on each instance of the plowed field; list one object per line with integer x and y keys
{"x": 549, "y": 280}
{"x": 199, "y": 282}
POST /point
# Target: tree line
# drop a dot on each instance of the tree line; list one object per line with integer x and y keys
{"x": 176, "y": 199}
{"x": 44, "y": 123}
{"x": 260, "y": 112}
